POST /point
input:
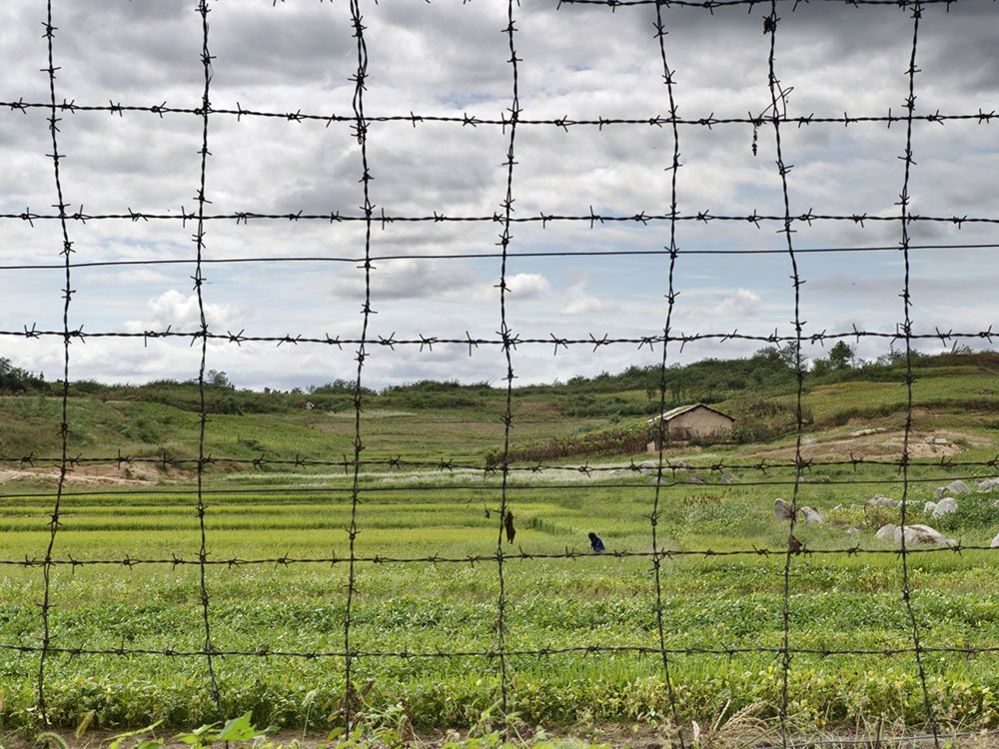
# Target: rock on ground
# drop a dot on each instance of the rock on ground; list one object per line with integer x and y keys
{"x": 921, "y": 534}
{"x": 988, "y": 485}
{"x": 782, "y": 509}
{"x": 954, "y": 487}
{"x": 811, "y": 515}
{"x": 995, "y": 542}
{"x": 880, "y": 500}
{"x": 929, "y": 507}
{"x": 886, "y": 532}
{"x": 946, "y": 506}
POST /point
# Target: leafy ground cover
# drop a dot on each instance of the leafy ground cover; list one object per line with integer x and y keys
{"x": 410, "y": 612}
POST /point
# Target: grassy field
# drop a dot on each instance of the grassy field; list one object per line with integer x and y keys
{"x": 837, "y": 601}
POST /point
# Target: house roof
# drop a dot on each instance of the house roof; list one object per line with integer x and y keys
{"x": 679, "y": 410}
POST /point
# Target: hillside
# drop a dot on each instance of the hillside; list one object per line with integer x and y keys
{"x": 431, "y": 421}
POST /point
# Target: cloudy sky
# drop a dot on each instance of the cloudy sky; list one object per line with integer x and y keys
{"x": 451, "y": 58}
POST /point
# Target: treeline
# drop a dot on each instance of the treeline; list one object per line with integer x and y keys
{"x": 16, "y": 380}
{"x": 635, "y": 392}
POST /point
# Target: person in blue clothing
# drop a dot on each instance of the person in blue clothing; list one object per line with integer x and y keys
{"x": 595, "y": 543}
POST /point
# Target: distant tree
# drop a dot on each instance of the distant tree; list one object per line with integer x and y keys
{"x": 788, "y": 355}
{"x": 841, "y": 356}
{"x": 16, "y": 380}
{"x": 219, "y": 379}
{"x": 821, "y": 367}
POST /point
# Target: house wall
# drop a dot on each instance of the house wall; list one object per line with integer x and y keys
{"x": 697, "y": 424}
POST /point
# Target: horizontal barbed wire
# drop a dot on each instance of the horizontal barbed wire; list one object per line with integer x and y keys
{"x": 466, "y": 120}
{"x": 491, "y": 654}
{"x": 455, "y": 464}
{"x": 511, "y": 339}
{"x": 472, "y": 559}
{"x": 592, "y": 217}
{"x": 377, "y": 489}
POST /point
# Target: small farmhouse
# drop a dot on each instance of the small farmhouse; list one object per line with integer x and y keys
{"x": 693, "y": 422}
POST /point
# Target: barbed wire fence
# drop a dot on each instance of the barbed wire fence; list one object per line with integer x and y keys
{"x": 668, "y": 474}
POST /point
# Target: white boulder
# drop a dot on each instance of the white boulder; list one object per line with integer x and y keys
{"x": 880, "y": 500}
{"x": 886, "y": 532}
{"x": 988, "y": 485}
{"x": 995, "y": 542}
{"x": 811, "y": 515}
{"x": 929, "y": 507}
{"x": 921, "y": 534}
{"x": 954, "y": 487}
{"x": 946, "y": 506}
{"x": 649, "y": 467}
{"x": 782, "y": 509}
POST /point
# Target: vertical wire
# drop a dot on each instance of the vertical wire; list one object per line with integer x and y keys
{"x": 910, "y": 105}
{"x": 199, "y": 239}
{"x": 508, "y": 343}
{"x": 793, "y": 546}
{"x": 361, "y": 133}
{"x": 67, "y": 250}
{"x": 663, "y": 432}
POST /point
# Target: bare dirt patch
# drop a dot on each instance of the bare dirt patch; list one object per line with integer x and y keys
{"x": 884, "y": 444}
{"x": 108, "y": 474}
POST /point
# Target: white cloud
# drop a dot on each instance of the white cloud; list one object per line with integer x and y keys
{"x": 743, "y": 303}
{"x": 181, "y": 312}
{"x": 581, "y": 303}
{"x": 527, "y": 285}
{"x": 407, "y": 279}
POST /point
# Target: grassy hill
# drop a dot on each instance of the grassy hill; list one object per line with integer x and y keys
{"x": 579, "y": 419}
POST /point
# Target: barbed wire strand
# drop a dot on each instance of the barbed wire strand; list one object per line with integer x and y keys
{"x": 595, "y": 340}
{"x": 565, "y": 122}
{"x": 778, "y": 101}
{"x": 199, "y": 240}
{"x": 67, "y": 249}
{"x": 486, "y": 467}
{"x": 532, "y": 486}
{"x": 910, "y": 104}
{"x": 663, "y": 435}
{"x": 263, "y": 651}
{"x": 233, "y": 562}
{"x": 505, "y": 520}
{"x": 590, "y": 217}
{"x": 361, "y": 133}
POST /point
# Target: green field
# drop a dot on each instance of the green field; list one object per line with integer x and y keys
{"x": 837, "y": 601}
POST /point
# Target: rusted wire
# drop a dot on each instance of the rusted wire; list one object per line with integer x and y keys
{"x": 662, "y": 423}
{"x": 910, "y": 105}
{"x": 199, "y": 241}
{"x": 778, "y": 103}
{"x": 505, "y": 516}
{"x": 66, "y": 250}
{"x": 361, "y": 134}
{"x": 452, "y": 465}
{"x": 472, "y": 559}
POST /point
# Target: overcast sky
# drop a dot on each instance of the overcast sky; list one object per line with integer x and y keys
{"x": 451, "y": 58}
